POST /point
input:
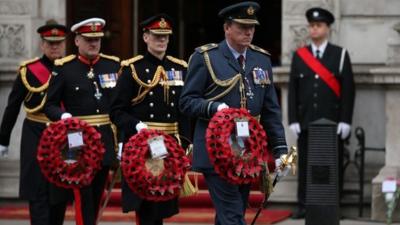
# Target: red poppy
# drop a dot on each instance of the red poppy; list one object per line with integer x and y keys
{"x": 236, "y": 168}
{"x": 168, "y": 183}
{"x": 52, "y": 146}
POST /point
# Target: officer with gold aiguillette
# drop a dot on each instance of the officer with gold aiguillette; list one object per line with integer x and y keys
{"x": 236, "y": 74}
{"x": 29, "y": 90}
{"x": 147, "y": 96}
{"x": 81, "y": 86}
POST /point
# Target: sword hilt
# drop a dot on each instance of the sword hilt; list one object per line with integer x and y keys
{"x": 290, "y": 159}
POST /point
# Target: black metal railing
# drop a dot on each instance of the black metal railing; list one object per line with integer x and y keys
{"x": 359, "y": 163}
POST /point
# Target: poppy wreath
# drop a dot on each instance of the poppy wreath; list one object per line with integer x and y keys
{"x": 53, "y": 144}
{"x": 154, "y": 187}
{"x": 236, "y": 168}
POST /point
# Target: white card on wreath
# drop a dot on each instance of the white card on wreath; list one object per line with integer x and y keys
{"x": 158, "y": 150}
{"x": 389, "y": 186}
{"x": 75, "y": 139}
{"x": 242, "y": 129}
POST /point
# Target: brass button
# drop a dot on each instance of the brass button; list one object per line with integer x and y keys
{"x": 151, "y": 93}
{"x": 151, "y": 104}
{"x": 97, "y": 110}
{"x": 152, "y": 116}
{"x": 168, "y": 115}
{"x": 172, "y": 104}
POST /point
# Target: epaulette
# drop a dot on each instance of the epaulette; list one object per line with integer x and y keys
{"x": 206, "y": 47}
{"x": 178, "y": 61}
{"x": 111, "y": 57}
{"x": 26, "y": 62}
{"x": 131, "y": 60}
{"x": 60, "y": 62}
{"x": 258, "y": 49}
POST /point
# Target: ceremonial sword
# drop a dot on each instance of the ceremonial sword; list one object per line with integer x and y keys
{"x": 288, "y": 159}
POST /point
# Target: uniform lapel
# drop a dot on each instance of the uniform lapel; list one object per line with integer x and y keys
{"x": 250, "y": 61}
{"x": 327, "y": 54}
{"x": 229, "y": 56}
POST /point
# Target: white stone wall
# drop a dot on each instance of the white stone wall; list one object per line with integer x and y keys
{"x": 294, "y": 24}
{"x": 364, "y": 27}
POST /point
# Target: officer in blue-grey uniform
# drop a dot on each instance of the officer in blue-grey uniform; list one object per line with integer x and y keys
{"x": 216, "y": 73}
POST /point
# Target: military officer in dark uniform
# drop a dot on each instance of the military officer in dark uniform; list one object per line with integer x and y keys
{"x": 29, "y": 89}
{"x": 147, "y": 96}
{"x": 209, "y": 87}
{"x": 81, "y": 86}
{"x": 312, "y": 95}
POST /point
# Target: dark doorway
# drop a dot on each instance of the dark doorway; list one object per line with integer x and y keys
{"x": 118, "y": 30}
{"x": 195, "y": 23}
{"x": 204, "y": 26}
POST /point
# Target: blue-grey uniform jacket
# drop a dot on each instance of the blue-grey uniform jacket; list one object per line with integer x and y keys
{"x": 201, "y": 95}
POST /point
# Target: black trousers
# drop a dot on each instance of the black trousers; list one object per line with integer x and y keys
{"x": 302, "y": 143}
{"x": 90, "y": 197}
{"x": 42, "y": 212}
{"x": 143, "y": 219}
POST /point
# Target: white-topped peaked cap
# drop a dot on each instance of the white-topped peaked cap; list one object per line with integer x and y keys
{"x": 92, "y": 27}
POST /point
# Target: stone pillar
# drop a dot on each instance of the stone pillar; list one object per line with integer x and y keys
{"x": 392, "y": 143}
{"x": 392, "y": 159}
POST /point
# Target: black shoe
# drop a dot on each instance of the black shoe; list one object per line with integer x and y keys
{"x": 300, "y": 213}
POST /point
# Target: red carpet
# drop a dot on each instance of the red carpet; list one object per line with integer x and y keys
{"x": 193, "y": 209}
{"x": 186, "y": 215}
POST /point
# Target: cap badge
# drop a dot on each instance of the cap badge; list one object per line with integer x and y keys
{"x": 162, "y": 23}
{"x": 250, "y": 11}
{"x": 315, "y": 14}
{"x": 54, "y": 32}
{"x": 93, "y": 27}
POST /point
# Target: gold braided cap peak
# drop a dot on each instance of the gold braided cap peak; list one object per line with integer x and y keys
{"x": 127, "y": 62}
{"x": 206, "y": 47}
{"x": 258, "y": 49}
{"x": 60, "y": 62}
{"x": 29, "y": 61}
{"x": 111, "y": 57}
{"x": 178, "y": 61}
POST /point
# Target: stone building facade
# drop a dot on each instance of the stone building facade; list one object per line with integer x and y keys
{"x": 366, "y": 28}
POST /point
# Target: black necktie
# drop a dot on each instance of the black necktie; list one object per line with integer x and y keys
{"x": 241, "y": 61}
{"x": 318, "y": 54}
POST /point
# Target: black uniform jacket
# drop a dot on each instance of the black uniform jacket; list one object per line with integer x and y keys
{"x": 71, "y": 90}
{"x": 29, "y": 92}
{"x": 158, "y": 104}
{"x": 310, "y": 98}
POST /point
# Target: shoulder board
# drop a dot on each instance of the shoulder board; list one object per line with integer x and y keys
{"x": 111, "y": 57}
{"x": 26, "y": 62}
{"x": 60, "y": 62}
{"x": 131, "y": 60}
{"x": 206, "y": 47}
{"x": 258, "y": 49}
{"x": 178, "y": 61}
